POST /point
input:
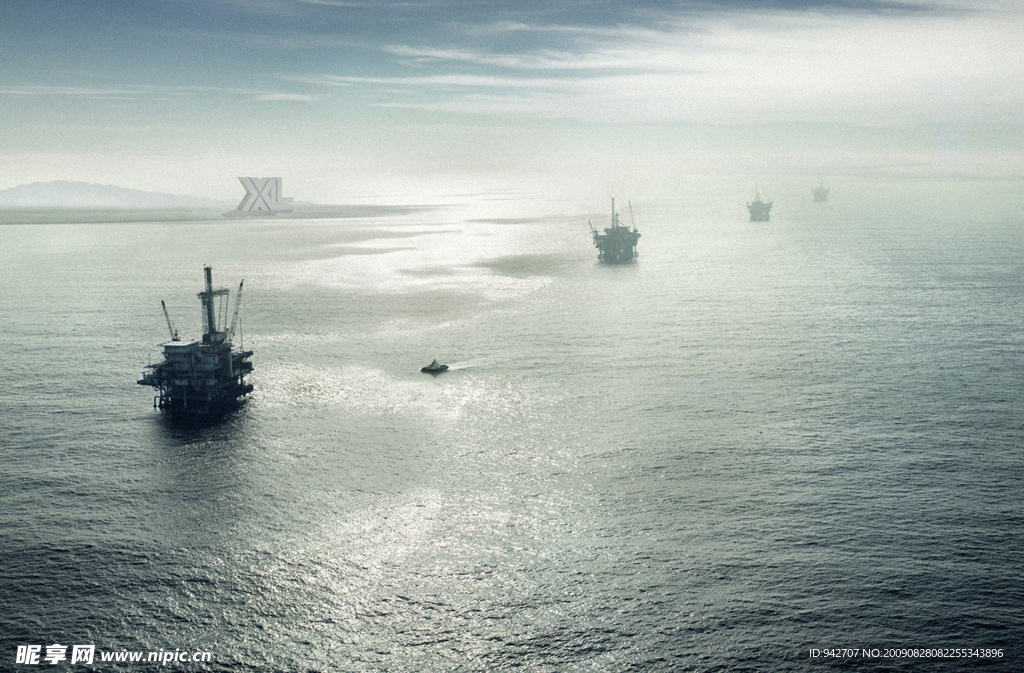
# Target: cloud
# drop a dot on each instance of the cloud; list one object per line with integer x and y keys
{"x": 302, "y": 98}
{"x": 446, "y": 82}
{"x": 276, "y": 80}
{"x": 148, "y": 93}
{"x": 599, "y": 60}
{"x": 33, "y": 90}
{"x": 752, "y": 67}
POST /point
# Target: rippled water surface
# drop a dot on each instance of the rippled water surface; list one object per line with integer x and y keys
{"x": 756, "y": 440}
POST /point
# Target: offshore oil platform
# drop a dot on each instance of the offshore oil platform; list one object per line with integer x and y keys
{"x": 759, "y": 209}
{"x": 205, "y": 377}
{"x": 820, "y": 193}
{"x": 617, "y": 245}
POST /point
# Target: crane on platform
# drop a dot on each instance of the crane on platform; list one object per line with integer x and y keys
{"x": 170, "y": 326}
{"x": 234, "y": 318}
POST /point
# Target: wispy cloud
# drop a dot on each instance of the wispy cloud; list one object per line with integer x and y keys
{"x": 286, "y": 97}
{"x": 438, "y": 82}
{"x": 147, "y": 92}
{"x": 33, "y": 90}
{"x": 764, "y": 66}
{"x": 621, "y": 58}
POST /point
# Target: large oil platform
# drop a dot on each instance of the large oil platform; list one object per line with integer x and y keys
{"x": 202, "y": 377}
{"x": 617, "y": 245}
{"x": 820, "y": 193}
{"x": 759, "y": 209}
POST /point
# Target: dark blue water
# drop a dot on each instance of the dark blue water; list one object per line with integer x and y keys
{"x": 758, "y": 440}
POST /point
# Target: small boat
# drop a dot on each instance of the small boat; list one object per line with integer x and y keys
{"x": 434, "y": 368}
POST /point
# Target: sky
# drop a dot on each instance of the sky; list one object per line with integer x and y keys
{"x": 350, "y": 100}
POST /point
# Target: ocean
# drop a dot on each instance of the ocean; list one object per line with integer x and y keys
{"x": 782, "y": 446}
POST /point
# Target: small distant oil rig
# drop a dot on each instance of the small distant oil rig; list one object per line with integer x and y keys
{"x": 202, "y": 378}
{"x": 617, "y": 245}
{"x": 759, "y": 209}
{"x": 820, "y": 193}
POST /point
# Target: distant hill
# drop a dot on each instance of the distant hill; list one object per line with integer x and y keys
{"x": 64, "y": 194}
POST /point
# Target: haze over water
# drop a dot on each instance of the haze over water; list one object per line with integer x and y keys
{"x": 756, "y": 440}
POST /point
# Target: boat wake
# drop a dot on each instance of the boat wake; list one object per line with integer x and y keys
{"x": 465, "y": 365}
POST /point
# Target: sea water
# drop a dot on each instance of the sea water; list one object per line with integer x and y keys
{"x": 791, "y": 446}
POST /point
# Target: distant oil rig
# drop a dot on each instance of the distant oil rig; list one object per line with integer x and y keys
{"x": 617, "y": 245}
{"x": 759, "y": 209}
{"x": 201, "y": 378}
{"x": 820, "y": 193}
